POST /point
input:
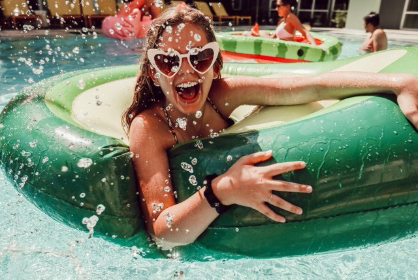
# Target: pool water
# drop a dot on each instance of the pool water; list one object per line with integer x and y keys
{"x": 33, "y": 245}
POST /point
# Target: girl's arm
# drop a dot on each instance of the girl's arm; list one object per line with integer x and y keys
{"x": 236, "y": 91}
{"x": 179, "y": 224}
{"x": 296, "y": 24}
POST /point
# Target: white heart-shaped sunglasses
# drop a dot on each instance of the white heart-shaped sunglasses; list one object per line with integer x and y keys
{"x": 169, "y": 63}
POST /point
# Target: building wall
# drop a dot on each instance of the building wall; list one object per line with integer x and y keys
{"x": 391, "y": 14}
{"x": 358, "y": 9}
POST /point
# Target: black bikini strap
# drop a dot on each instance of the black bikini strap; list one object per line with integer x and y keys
{"x": 217, "y": 111}
{"x": 170, "y": 125}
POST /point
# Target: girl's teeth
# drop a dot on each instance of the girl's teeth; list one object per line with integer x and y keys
{"x": 186, "y": 85}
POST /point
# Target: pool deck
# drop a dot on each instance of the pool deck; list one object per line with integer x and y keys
{"x": 393, "y": 34}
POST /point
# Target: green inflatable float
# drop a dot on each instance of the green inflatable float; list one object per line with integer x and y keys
{"x": 236, "y": 47}
{"x": 63, "y": 147}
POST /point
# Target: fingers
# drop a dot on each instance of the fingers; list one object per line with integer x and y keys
{"x": 281, "y": 168}
{"x": 135, "y": 13}
{"x": 283, "y": 186}
{"x": 256, "y": 157}
{"x": 283, "y": 204}
{"x": 263, "y": 209}
{"x": 127, "y": 24}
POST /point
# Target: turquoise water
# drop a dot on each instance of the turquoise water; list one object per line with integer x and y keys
{"x": 33, "y": 245}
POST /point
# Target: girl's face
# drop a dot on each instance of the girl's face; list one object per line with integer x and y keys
{"x": 282, "y": 9}
{"x": 187, "y": 90}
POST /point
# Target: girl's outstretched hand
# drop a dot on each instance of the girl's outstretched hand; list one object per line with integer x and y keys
{"x": 408, "y": 99}
{"x": 252, "y": 186}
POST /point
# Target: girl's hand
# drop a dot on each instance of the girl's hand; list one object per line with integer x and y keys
{"x": 408, "y": 99}
{"x": 251, "y": 186}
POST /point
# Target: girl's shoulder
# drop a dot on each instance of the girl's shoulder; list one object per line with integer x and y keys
{"x": 292, "y": 17}
{"x": 151, "y": 124}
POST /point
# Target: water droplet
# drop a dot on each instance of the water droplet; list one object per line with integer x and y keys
{"x": 198, "y": 114}
{"x": 76, "y": 50}
{"x": 167, "y": 189}
{"x": 169, "y": 29}
{"x": 64, "y": 169}
{"x": 187, "y": 167}
{"x": 199, "y": 144}
{"x": 111, "y": 31}
{"x": 157, "y": 75}
{"x": 82, "y": 195}
{"x": 192, "y": 180}
{"x": 169, "y": 219}
{"x": 81, "y": 84}
{"x": 90, "y": 223}
{"x": 229, "y": 158}
{"x": 100, "y": 208}
{"x": 118, "y": 26}
{"x": 182, "y": 123}
{"x": 33, "y": 143}
{"x": 194, "y": 161}
{"x": 230, "y": 23}
{"x": 197, "y": 37}
{"x": 84, "y": 162}
{"x": 45, "y": 159}
{"x": 181, "y": 26}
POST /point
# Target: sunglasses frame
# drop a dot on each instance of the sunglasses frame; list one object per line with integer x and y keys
{"x": 212, "y": 45}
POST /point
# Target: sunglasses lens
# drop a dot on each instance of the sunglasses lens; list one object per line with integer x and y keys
{"x": 168, "y": 64}
{"x": 202, "y": 60}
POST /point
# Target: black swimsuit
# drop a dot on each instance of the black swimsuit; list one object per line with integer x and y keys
{"x": 170, "y": 124}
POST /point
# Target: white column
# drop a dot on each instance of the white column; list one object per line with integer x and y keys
{"x": 358, "y": 9}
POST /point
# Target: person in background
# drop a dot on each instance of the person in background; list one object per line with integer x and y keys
{"x": 287, "y": 26}
{"x": 377, "y": 40}
{"x": 132, "y": 21}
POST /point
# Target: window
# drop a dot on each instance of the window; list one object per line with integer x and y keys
{"x": 410, "y": 15}
{"x": 314, "y": 12}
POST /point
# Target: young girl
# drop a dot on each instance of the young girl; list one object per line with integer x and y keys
{"x": 180, "y": 96}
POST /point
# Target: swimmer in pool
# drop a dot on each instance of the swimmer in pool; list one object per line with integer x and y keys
{"x": 180, "y": 96}
{"x": 377, "y": 41}
{"x": 287, "y": 26}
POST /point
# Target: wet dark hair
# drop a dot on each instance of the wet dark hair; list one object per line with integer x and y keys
{"x": 292, "y": 3}
{"x": 146, "y": 93}
{"x": 372, "y": 18}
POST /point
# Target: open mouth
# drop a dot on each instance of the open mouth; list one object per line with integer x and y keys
{"x": 188, "y": 92}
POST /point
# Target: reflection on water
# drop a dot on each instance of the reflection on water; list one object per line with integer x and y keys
{"x": 34, "y": 245}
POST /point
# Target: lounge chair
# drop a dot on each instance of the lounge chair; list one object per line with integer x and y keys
{"x": 65, "y": 10}
{"x": 221, "y": 13}
{"x": 17, "y": 10}
{"x": 204, "y": 8}
{"x": 94, "y": 10}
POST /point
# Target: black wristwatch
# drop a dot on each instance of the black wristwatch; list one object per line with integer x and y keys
{"x": 211, "y": 197}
